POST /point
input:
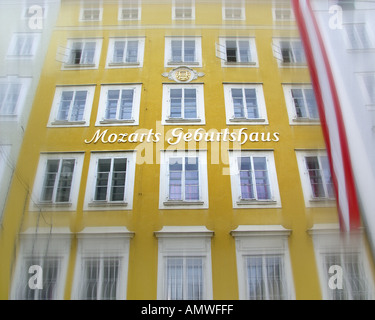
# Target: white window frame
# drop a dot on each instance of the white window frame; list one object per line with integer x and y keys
{"x": 229, "y": 105}
{"x": 358, "y": 37}
{"x": 369, "y": 99}
{"x": 53, "y": 120}
{"x": 123, "y": 64}
{"x": 90, "y": 203}
{"x": 291, "y": 108}
{"x": 35, "y": 39}
{"x": 278, "y": 14}
{"x": 184, "y": 242}
{"x": 25, "y": 83}
{"x": 82, "y": 17}
{"x": 69, "y": 65}
{"x": 166, "y": 105}
{"x": 237, "y": 201}
{"x": 41, "y": 244}
{"x": 103, "y": 243}
{"x": 71, "y": 205}
{"x": 182, "y": 5}
{"x": 329, "y": 240}
{"x": 168, "y": 51}
{"x": 221, "y": 52}
{"x": 130, "y": 5}
{"x": 229, "y": 5}
{"x": 277, "y": 51}
{"x": 310, "y": 200}
{"x": 164, "y": 201}
{"x": 262, "y": 240}
{"x": 134, "y": 120}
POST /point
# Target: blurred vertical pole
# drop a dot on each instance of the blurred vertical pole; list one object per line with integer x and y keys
{"x": 331, "y": 117}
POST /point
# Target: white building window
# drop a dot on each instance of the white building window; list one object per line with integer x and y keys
{"x": 183, "y": 180}
{"x": 183, "y": 104}
{"x": 119, "y": 105}
{"x": 72, "y": 106}
{"x": 47, "y": 255}
{"x": 23, "y": 45}
{"x": 343, "y": 264}
{"x": 367, "y": 84}
{"x": 102, "y": 264}
{"x": 289, "y": 52}
{"x": 253, "y": 179}
{"x": 183, "y": 10}
{"x": 91, "y": 14}
{"x": 111, "y": 181}
{"x": 316, "y": 178}
{"x": 125, "y": 53}
{"x": 237, "y": 52}
{"x": 130, "y": 10}
{"x": 233, "y": 10}
{"x": 57, "y": 181}
{"x": 358, "y": 36}
{"x": 185, "y": 51}
{"x": 245, "y": 104}
{"x": 184, "y": 263}
{"x": 263, "y": 262}
{"x": 301, "y": 104}
{"x": 13, "y": 91}
{"x": 82, "y": 53}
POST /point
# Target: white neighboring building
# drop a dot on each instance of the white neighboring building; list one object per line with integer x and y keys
{"x": 27, "y": 26}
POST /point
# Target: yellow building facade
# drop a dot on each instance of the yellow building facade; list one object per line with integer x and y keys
{"x": 173, "y": 152}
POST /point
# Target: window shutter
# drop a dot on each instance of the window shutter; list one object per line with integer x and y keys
{"x": 221, "y": 51}
{"x": 62, "y": 54}
{"x": 276, "y": 49}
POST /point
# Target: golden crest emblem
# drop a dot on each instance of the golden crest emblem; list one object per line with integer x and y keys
{"x": 183, "y": 74}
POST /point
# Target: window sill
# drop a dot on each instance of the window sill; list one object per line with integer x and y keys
{"x": 179, "y": 120}
{"x": 255, "y": 202}
{"x": 246, "y": 120}
{"x": 293, "y": 64}
{"x": 234, "y": 63}
{"x": 322, "y": 200}
{"x": 124, "y": 64}
{"x": 67, "y": 123}
{"x": 184, "y": 63}
{"x": 182, "y": 203}
{"x": 79, "y": 66}
{"x": 301, "y": 119}
{"x": 54, "y": 204}
{"x": 116, "y": 121}
{"x": 107, "y": 204}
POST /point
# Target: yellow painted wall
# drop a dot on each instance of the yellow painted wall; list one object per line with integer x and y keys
{"x": 145, "y": 218}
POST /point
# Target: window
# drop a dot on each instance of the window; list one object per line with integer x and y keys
{"x": 130, "y": 10}
{"x": 263, "y": 262}
{"x": 358, "y": 36}
{"x": 183, "y": 180}
{"x": 233, "y": 10}
{"x": 119, "y": 105}
{"x": 237, "y": 52}
{"x": 48, "y": 251}
{"x": 91, "y": 14}
{"x": 184, "y": 267}
{"x": 316, "y": 177}
{"x": 367, "y": 83}
{"x": 71, "y": 106}
{"x": 111, "y": 181}
{"x": 289, "y": 52}
{"x": 343, "y": 265}
{"x": 244, "y": 104}
{"x": 23, "y": 45}
{"x": 183, "y": 104}
{"x": 253, "y": 179}
{"x": 301, "y": 104}
{"x": 12, "y": 96}
{"x": 102, "y": 264}
{"x": 185, "y": 51}
{"x": 57, "y": 181}
{"x": 183, "y": 10}
{"x": 282, "y": 14}
{"x": 83, "y": 53}
{"x": 125, "y": 53}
